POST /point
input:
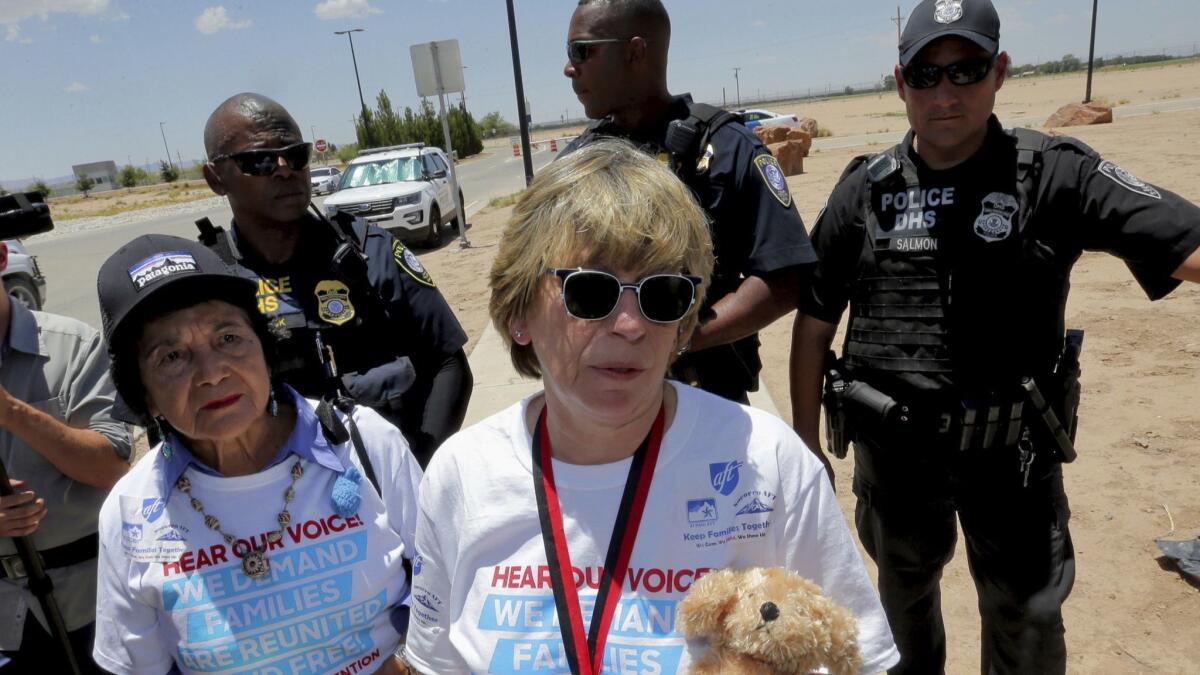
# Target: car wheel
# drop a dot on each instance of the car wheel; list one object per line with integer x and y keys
{"x": 433, "y": 236}
{"x": 22, "y": 291}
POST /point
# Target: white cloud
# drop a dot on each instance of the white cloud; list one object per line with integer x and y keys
{"x": 13, "y": 34}
{"x": 344, "y": 9}
{"x": 216, "y": 19}
{"x": 96, "y": 39}
{"x": 76, "y": 87}
{"x": 13, "y": 12}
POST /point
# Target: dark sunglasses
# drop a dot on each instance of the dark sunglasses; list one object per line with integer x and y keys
{"x": 579, "y": 51}
{"x": 592, "y": 295}
{"x": 961, "y": 73}
{"x": 265, "y": 161}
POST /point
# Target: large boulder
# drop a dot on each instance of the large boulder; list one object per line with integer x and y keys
{"x": 1080, "y": 114}
{"x": 801, "y": 136}
{"x": 790, "y": 155}
{"x": 810, "y": 125}
{"x": 771, "y": 133}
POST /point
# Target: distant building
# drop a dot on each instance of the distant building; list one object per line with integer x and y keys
{"x": 104, "y": 173}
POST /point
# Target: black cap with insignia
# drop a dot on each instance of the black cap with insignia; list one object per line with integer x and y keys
{"x": 974, "y": 20}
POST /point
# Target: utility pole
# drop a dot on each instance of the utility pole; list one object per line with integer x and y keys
{"x": 164, "y": 135}
{"x": 738, "y": 85}
{"x": 1087, "y": 98}
{"x": 898, "y": 20}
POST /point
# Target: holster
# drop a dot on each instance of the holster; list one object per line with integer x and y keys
{"x": 852, "y": 405}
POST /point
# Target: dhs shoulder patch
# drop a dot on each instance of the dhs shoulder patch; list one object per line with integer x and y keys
{"x": 407, "y": 261}
{"x": 772, "y": 175}
{"x": 1127, "y": 180}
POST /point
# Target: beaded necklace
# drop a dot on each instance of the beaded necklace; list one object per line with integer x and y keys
{"x": 254, "y": 560}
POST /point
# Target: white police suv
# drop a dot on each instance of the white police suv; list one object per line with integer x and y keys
{"x": 402, "y": 188}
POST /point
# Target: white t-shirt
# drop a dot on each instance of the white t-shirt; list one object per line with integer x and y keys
{"x": 171, "y": 591}
{"x": 734, "y": 488}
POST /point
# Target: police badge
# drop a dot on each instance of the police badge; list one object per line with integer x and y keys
{"x": 995, "y": 218}
{"x": 333, "y": 302}
{"x": 948, "y": 11}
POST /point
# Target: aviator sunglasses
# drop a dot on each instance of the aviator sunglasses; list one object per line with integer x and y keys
{"x": 961, "y": 73}
{"x": 265, "y": 161}
{"x": 592, "y": 295}
{"x": 579, "y": 51}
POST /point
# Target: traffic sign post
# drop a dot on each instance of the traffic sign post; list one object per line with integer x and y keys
{"x": 437, "y": 68}
{"x": 321, "y": 145}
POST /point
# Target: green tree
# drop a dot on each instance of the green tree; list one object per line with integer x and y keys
{"x": 3, "y": 191}
{"x": 39, "y": 185}
{"x": 493, "y": 125}
{"x": 128, "y": 177}
{"x": 167, "y": 171}
{"x": 889, "y": 83}
{"x": 347, "y": 153}
{"x": 84, "y": 184}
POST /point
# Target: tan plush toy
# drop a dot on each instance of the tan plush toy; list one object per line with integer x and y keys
{"x": 767, "y": 621}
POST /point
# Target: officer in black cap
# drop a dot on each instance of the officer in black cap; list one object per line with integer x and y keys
{"x": 959, "y": 383}
{"x": 617, "y": 64}
{"x": 354, "y": 310}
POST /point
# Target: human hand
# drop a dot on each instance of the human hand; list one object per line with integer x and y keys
{"x": 393, "y": 666}
{"x": 20, "y": 512}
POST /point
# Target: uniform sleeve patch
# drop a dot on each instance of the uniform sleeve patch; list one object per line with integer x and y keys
{"x": 772, "y": 175}
{"x": 1127, "y": 180}
{"x": 408, "y": 262}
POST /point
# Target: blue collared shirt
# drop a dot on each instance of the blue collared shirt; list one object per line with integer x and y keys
{"x": 307, "y": 441}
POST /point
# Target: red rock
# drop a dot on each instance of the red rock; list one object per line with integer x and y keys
{"x": 801, "y": 136}
{"x": 1080, "y": 114}
{"x": 790, "y": 155}
{"x": 772, "y": 133}
{"x": 810, "y": 125}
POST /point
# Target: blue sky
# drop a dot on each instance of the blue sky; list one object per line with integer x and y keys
{"x": 90, "y": 80}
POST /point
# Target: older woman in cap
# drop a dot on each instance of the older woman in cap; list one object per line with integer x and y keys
{"x": 247, "y": 539}
{"x": 610, "y": 492}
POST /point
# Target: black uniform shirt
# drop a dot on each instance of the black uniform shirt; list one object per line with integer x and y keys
{"x": 1005, "y": 286}
{"x": 305, "y": 294}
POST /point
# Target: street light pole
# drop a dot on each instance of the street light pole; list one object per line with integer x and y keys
{"x": 1087, "y": 98}
{"x": 738, "y": 85}
{"x": 516, "y": 57}
{"x": 361, "y": 100}
{"x": 164, "y": 135}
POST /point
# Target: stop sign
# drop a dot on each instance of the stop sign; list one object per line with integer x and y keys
{"x": 321, "y": 145}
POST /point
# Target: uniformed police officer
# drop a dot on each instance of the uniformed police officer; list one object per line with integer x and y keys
{"x": 354, "y": 308}
{"x": 617, "y": 63}
{"x": 959, "y": 382}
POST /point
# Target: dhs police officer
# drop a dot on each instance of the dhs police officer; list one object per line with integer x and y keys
{"x": 617, "y": 64}
{"x": 959, "y": 381}
{"x": 354, "y": 309}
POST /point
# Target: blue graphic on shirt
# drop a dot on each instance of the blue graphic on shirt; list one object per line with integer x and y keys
{"x": 547, "y": 656}
{"x": 152, "y": 508}
{"x": 702, "y": 511}
{"x": 633, "y": 617}
{"x": 724, "y": 476}
{"x": 296, "y": 565}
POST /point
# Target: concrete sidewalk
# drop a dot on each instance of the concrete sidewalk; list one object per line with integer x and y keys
{"x": 497, "y": 384}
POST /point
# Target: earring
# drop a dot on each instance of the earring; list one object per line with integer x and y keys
{"x": 163, "y": 438}
{"x": 518, "y": 334}
{"x": 272, "y": 404}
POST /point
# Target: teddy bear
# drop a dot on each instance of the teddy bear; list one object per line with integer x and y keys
{"x": 767, "y": 621}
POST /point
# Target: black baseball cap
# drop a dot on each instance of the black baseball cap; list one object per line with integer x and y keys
{"x": 974, "y": 20}
{"x": 154, "y": 269}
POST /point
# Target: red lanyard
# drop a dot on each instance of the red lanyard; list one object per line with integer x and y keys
{"x": 620, "y": 546}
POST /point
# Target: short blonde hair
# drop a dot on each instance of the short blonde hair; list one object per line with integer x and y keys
{"x": 607, "y": 205}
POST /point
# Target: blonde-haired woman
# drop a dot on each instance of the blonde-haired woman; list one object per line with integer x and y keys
{"x": 610, "y": 492}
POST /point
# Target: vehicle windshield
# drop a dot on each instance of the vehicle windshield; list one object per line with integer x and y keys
{"x": 382, "y": 172}
{"x": 320, "y": 173}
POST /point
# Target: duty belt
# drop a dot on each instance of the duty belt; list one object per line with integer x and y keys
{"x": 80, "y": 550}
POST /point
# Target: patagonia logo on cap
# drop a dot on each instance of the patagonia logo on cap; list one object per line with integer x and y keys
{"x": 160, "y": 266}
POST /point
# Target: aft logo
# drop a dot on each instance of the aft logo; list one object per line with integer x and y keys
{"x": 417, "y": 563}
{"x": 724, "y": 476}
{"x": 701, "y": 511}
{"x": 152, "y": 508}
{"x": 160, "y": 266}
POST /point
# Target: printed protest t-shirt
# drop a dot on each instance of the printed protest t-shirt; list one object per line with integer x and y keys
{"x": 170, "y": 589}
{"x": 734, "y": 488}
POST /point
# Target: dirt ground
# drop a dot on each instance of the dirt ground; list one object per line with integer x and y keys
{"x": 1138, "y": 472}
{"x": 112, "y": 202}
